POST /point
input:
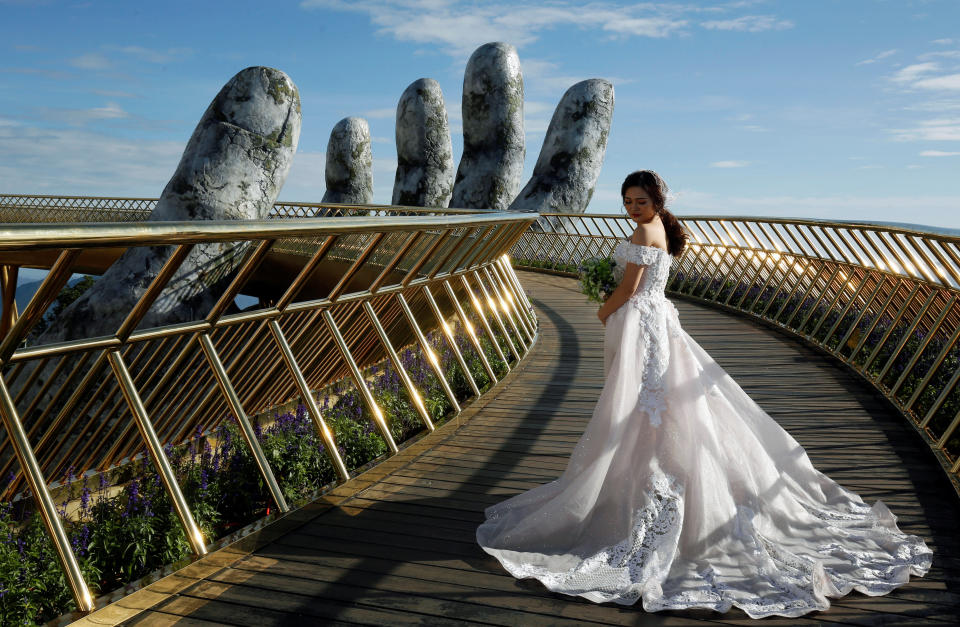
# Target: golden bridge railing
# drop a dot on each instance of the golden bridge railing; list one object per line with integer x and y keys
{"x": 357, "y": 288}
{"x": 882, "y": 298}
{"x": 33, "y": 209}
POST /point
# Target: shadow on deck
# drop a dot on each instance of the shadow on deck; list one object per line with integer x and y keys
{"x": 401, "y": 550}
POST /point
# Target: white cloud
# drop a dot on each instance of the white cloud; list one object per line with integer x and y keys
{"x": 748, "y": 117}
{"x": 729, "y": 164}
{"x": 460, "y": 27}
{"x": 455, "y": 111}
{"x": 455, "y": 117}
{"x": 384, "y": 173}
{"x": 306, "y": 181}
{"x": 920, "y": 76}
{"x": 78, "y": 161}
{"x": 91, "y": 61}
{"x": 878, "y": 57}
{"x": 81, "y": 117}
{"x": 644, "y": 27}
{"x": 380, "y": 114}
{"x": 154, "y": 56}
{"x": 943, "y": 129}
{"x": 536, "y": 116}
{"x": 99, "y": 61}
{"x": 950, "y": 82}
{"x": 111, "y": 111}
{"x": 943, "y": 42}
{"x": 911, "y": 73}
{"x": 537, "y": 107}
{"x": 541, "y": 76}
{"x": 749, "y": 24}
{"x": 940, "y": 54}
{"x": 938, "y": 153}
{"x": 537, "y": 68}
{"x": 735, "y": 4}
{"x": 56, "y": 75}
{"x": 937, "y": 106}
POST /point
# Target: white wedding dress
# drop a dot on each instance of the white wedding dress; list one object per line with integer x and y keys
{"x": 682, "y": 491}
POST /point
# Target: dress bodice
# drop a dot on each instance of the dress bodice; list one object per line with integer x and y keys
{"x": 656, "y": 262}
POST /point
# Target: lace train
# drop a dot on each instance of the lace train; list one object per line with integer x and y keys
{"x": 646, "y": 565}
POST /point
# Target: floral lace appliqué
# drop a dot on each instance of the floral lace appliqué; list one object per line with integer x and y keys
{"x": 619, "y": 573}
{"x": 769, "y": 579}
{"x": 654, "y": 309}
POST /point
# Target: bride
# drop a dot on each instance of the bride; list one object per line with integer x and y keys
{"x": 682, "y": 491}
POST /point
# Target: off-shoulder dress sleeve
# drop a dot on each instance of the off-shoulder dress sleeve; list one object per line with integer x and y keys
{"x": 633, "y": 253}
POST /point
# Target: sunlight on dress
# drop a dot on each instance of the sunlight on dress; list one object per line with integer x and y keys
{"x": 682, "y": 491}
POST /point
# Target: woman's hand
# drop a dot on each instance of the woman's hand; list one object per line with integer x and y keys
{"x": 603, "y": 316}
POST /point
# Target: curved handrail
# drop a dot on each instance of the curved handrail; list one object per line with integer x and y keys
{"x": 15, "y": 208}
{"x": 346, "y": 291}
{"x": 883, "y": 298}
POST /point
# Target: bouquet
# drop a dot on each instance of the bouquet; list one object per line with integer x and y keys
{"x": 598, "y": 278}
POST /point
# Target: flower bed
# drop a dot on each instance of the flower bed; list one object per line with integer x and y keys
{"x": 550, "y": 263}
{"x": 123, "y": 527}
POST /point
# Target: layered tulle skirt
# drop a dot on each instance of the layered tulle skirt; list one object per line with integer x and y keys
{"x": 684, "y": 493}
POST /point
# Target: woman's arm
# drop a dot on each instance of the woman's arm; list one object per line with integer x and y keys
{"x": 628, "y": 286}
{"x": 623, "y": 292}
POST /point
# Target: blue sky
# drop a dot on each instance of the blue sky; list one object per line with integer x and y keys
{"x": 842, "y": 109}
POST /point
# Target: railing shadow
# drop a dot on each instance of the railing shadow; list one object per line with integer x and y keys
{"x": 384, "y": 554}
{"x": 329, "y": 569}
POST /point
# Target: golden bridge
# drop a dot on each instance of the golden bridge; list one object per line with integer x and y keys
{"x": 846, "y": 333}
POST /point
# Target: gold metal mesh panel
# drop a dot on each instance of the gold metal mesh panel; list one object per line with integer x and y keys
{"x": 881, "y": 297}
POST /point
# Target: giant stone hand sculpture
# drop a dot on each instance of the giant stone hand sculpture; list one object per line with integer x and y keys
{"x": 349, "y": 169}
{"x": 493, "y": 142}
{"x": 232, "y": 168}
{"x": 572, "y": 153}
{"x": 424, "y": 152}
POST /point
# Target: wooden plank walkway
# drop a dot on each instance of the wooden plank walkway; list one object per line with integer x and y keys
{"x": 402, "y": 550}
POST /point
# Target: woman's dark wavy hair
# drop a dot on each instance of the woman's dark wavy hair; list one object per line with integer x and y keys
{"x": 651, "y": 183}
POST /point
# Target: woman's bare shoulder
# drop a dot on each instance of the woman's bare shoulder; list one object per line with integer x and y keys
{"x": 650, "y": 234}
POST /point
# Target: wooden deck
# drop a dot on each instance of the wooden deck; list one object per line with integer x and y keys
{"x": 397, "y": 546}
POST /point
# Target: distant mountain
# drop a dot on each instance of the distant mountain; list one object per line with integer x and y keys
{"x": 26, "y": 291}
